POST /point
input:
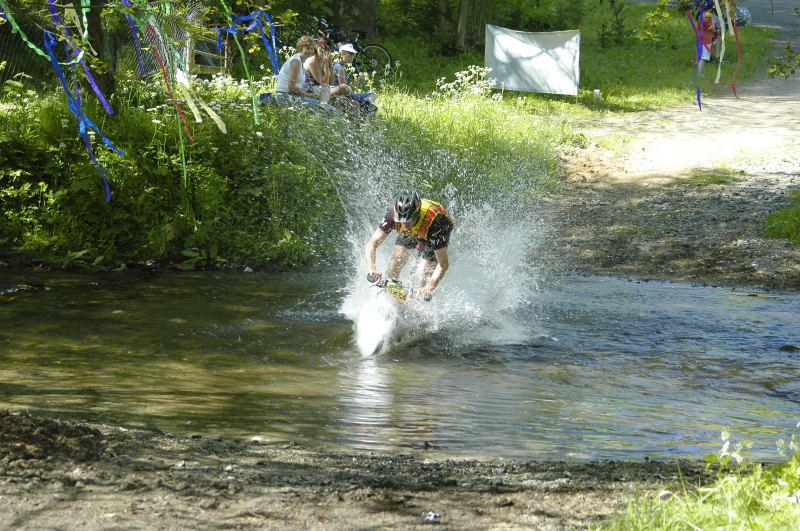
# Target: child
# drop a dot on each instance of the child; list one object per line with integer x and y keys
{"x": 708, "y": 33}
{"x": 340, "y": 84}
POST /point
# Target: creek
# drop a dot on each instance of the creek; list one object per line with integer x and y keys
{"x": 585, "y": 368}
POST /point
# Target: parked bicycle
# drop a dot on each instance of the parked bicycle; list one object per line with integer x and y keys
{"x": 370, "y": 58}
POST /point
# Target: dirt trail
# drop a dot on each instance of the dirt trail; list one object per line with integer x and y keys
{"x": 640, "y": 214}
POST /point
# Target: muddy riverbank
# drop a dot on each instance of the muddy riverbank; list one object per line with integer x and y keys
{"x": 56, "y": 475}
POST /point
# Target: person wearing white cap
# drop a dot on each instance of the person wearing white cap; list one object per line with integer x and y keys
{"x": 340, "y": 86}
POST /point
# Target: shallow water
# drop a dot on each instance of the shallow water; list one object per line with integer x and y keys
{"x": 608, "y": 368}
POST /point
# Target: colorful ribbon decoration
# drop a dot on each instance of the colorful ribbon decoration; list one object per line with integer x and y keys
{"x": 74, "y": 105}
{"x": 722, "y": 40}
{"x": 738, "y": 53}
{"x": 255, "y": 21}
{"x": 74, "y": 55}
{"x": 59, "y": 23}
{"x": 135, "y": 32}
{"x": 153, "y": 35}
{"x": 273, "y": 52}
{"x": 70, "y": 12}
{"x": 182, "y": 84}
{"x": 698, "y": 45}
{"x": 16, "y": 29}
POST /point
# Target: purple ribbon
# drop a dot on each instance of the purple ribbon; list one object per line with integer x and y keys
{"x": 59, "y": 24}
{"x": 699, "y": 48}
{"x": 74, "y": 105}
{"x": 135, "y": 30}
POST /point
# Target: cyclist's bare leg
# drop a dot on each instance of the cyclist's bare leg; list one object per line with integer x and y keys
{"x": 399, "y": 259}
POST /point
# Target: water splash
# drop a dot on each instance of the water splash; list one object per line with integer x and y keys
{"x": 491, "y": 275}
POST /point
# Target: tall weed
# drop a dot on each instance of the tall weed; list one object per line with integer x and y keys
{"x": 744, "y": 495}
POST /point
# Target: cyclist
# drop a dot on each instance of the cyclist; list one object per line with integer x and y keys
{"x": 422, "y": 224}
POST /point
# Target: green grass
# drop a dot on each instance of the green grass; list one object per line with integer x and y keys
{"x": 744, "y": 495}
{"x": 701, "y": 178}
{"x": 634, "y": 76}
{"x": 785, "y": 223}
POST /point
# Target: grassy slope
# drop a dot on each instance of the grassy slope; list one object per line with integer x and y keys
{"x": 227, "y": 201}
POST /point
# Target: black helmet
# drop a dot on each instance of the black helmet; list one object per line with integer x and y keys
{"x": 406, "y": 206}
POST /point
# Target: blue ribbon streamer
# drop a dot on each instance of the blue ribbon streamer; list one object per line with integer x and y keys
{"x": 60, "y": 24}
{"x": 254, "y": 22}
{"x": 699, "y": 48}
{"x": 135, "y": 31}
{"x": 136, "y": 41}
{"x": 273, "y": 53}
{"x": 74, "y": 105}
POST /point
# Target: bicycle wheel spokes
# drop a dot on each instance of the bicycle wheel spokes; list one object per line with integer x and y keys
{"x": 374, "y": 58}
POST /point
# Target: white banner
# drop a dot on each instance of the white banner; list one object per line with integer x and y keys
{"x": 534, "y": 62}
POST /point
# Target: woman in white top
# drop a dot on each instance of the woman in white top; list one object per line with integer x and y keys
{"x": 291, "y": 75}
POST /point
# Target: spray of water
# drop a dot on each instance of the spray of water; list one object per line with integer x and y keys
{"x": 491, "y": 274}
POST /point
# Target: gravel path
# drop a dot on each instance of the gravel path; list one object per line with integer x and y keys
{"x": 641, "y": 214}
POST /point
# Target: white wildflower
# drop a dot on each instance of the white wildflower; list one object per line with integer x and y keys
{"x": 724, "y": 451}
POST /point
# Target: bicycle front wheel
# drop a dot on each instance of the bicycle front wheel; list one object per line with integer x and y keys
{"x": 373, "y": 58}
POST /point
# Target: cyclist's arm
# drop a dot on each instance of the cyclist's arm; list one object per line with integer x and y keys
{"x": 442, "y": 264}
{"x": 372, "y": 245}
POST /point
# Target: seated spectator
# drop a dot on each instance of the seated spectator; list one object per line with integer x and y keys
{"x": 319, "y": 70}
{"x": 290, "y": 84}
{"x": 340, "y": 87}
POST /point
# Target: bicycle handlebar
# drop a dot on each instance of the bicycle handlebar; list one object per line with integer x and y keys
{"x": 383, "y": 282}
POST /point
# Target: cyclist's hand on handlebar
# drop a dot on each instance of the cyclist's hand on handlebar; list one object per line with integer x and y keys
{"x": 424, "y": 293}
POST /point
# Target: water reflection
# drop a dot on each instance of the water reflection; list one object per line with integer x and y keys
{"x": 366, "y": 396}
{"x": 605, "y": 369}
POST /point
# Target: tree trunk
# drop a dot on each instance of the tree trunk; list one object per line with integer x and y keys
{"x": 444, "y": 9}
{"x": 357, "y": 15}
{"x": 106, "y": 80}
{"x": 461, "y": 29}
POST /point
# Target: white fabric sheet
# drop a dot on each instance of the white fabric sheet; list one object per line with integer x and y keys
{"x": 534, "y": 62}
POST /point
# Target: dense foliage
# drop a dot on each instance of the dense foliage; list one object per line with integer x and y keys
{"x": 268, "y": 191}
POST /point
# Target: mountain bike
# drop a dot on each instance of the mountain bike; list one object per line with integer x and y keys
{"x": 370, "y": 58}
